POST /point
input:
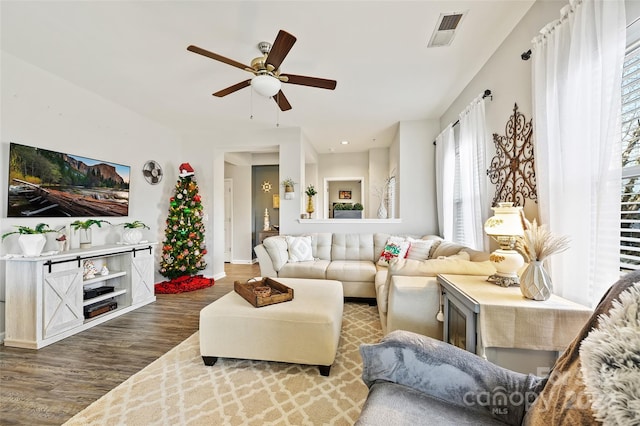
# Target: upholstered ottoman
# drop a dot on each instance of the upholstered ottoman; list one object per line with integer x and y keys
{"x": 305, "y": 330}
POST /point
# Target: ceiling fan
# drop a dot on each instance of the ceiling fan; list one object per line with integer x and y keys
{"x": 266, "y": 70}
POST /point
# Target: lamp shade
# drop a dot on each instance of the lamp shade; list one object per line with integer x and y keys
{"x": 506, "y": 221}
{"x": 266, "y": 85}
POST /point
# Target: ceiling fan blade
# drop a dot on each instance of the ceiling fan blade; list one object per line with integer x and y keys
{"x": 282, "y": 101}
{"x": 231, "y": 89}
{"x": 203, "y": 52}
{"x": 281, "y": 47}
{"x": 302, "y": 80}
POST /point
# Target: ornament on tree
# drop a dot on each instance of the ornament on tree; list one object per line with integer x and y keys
{"x": 184, "y": 243}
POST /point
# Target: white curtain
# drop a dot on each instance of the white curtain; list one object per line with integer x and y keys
{"x": 445, "y": 170}
{"x": 473, "y": 180}
{"x": 577, "y": 69}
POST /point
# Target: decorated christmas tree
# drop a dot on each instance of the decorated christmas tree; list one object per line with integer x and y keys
{"x": 184, "y": 245}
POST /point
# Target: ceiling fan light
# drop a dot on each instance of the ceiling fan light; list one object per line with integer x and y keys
{"x": 266, "y": 85}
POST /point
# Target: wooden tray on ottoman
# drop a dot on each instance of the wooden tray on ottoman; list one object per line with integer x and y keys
{"x": 279, "y": 292}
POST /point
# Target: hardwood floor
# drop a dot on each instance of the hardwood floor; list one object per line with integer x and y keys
{"x": 50, "y": 385}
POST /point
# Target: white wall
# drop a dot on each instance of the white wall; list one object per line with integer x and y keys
{"x": 412, "y": 155}
{"x": 207, "y": 154}
{"x": 509, "y": 77}
{"x": 415, "y": 186}
{"x": 40, "y": 109}
{"x": 338, "y": 165}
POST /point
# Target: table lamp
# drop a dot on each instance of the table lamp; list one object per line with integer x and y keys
{"x": 504, "y": 226}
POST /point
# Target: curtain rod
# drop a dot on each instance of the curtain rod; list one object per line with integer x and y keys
{"x": 486, "y": 94}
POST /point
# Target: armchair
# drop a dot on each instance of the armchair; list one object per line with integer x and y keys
{"x": 414, "y": 379}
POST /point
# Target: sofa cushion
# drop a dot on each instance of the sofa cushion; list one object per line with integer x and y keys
{"x": 315, "y": 269}
{"x": 352, "y": 247}
{"x": 276, "y": 246}
{"x": 351, "y": 270}
{"x": 321, "y": 245}
{"x": 447, "y": 248}
{"x": 433, "y": 267}
{"x": 461, "y": 255}
{"x": 393, "y": 404}
{"x": 299, "y": 248}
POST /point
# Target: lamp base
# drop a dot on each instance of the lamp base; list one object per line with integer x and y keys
{"x": 507, "y": 263}
{"x": 504, "y": 281}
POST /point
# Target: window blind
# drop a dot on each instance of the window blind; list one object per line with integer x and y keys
{"x": 630, "y": 192}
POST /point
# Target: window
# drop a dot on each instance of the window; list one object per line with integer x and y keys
{"x": 630, "y": 195}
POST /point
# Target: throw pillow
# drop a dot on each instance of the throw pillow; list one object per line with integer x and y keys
{"x": 299, "y": 249}
{"x": 419, "y": 249}
{"x": 396, "y": 247}
{"x": 610, "y": 363}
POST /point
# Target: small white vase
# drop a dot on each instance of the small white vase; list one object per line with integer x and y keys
{"x": 32, "y": 244}
{"x": 535, "y": 282}
{"x": 382, "y": 211}
{"x": 132, "y": 236}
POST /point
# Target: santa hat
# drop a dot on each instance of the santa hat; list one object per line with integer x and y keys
{"x": 185, "y": 170}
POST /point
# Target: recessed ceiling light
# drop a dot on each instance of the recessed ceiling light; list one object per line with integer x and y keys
{"x": 345, "y": 142}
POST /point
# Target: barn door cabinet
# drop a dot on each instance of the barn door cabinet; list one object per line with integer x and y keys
{"x": 51, "y": 297}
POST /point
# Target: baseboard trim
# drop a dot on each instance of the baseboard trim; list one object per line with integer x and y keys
{"x": 242, "y": 262}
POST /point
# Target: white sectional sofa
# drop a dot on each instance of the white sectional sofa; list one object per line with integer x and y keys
{"x": 406, "y": 291}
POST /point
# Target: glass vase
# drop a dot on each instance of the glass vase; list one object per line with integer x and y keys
{"x": 85, "y": 238}
{"x": 535, "y": 282}
{"x": 310, "y": 208}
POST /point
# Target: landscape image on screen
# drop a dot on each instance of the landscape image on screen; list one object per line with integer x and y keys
{"x": 45, "y": 183}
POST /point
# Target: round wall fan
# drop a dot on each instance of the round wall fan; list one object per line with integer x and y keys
{"x": 266, "y": 70}
{"x": 152, "y": 172}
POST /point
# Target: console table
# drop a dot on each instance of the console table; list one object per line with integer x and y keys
{"x": 48, "y": 298}
{"x": 503, "y": 326}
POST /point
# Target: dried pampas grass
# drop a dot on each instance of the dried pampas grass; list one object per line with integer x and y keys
{"x": 538, "y": 242}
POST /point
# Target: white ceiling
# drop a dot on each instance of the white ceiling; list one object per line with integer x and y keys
{"x": 134, "y": 53}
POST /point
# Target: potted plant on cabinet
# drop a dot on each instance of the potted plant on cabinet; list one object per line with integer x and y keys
{"x": 31, "y": 240}
{"x": 84, "y": 227}
{"x": 132, "y": 233}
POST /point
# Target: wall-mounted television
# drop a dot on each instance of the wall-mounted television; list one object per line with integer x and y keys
{"x": 45, "y": 183}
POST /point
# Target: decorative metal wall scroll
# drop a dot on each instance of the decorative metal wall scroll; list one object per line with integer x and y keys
{"x": 512, "y": 169}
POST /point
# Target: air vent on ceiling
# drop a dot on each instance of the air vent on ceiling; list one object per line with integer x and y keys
{"x": 445, "y": 29}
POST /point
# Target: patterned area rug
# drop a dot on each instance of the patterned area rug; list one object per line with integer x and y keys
{"x": 178, "y": 388}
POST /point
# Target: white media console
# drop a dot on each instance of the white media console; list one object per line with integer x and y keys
{"x": 48, "y": 299}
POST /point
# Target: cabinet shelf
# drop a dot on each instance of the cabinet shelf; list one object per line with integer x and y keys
{"x": 103, "y": 297}
{"x": 100, "y": 278}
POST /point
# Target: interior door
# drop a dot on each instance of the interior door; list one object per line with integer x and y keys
{"x": 228, "y": 219}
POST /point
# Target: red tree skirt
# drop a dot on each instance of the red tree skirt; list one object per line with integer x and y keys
{"x": 183, "y": 284}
